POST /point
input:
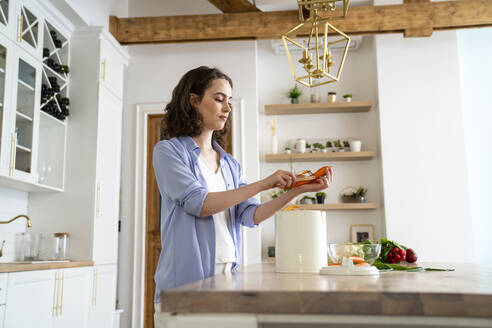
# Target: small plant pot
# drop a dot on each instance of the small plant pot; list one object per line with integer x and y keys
{"x": 314, "y": 98}
{"x": 320, "y": 199}
{"x": 294, "y": 100}
{"x": 324, "y": 150}
{"x": 341, "y": 150}
{"x": 314, "y": 150}
{"x": 348, "y": 99}
{"x": 306, "y": 201}
{"x": 288, "y": 151}
{"x": 362, "y": 199}
{"x": 332, "y": 98}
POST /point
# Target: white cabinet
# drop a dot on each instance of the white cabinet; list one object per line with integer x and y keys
{"x": 29, "y": 30}
{"x": 25, "y": 116}
{"x": 73, "y": 306}
{"x": 107, "y": 178}
{"x": 28, "y": 135}
{"x": 6, "y": 136}
{"x": 90, "y": 211}
{"x": 34, "y": 292}
{"x": 103, "y": 300}
{"x": 7, "y": 18}
{"x": 48, "y": 298}
{"x": 112, "y": 70}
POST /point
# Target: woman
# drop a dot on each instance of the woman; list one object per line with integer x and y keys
{"x": 205, "y": 199}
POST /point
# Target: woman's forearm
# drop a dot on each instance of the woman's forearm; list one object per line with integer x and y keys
{"x": 216, "y": 202}
{"x": 266, "y": 210}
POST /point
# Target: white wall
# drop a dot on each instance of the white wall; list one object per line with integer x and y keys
{"x": 475, "y": 60}
{"x": 12, "y": 203}
{"x": 142, "y": 8}
{"x": 423, "y": 150}
{"x": 153, "y": 73}
{"x": 97, "y": 12}
{"x": 359, "y": 79}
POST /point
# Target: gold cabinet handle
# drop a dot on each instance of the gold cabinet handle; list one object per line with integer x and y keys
{"x": 58, "y": 305}
{"x": 21, "y": 26}
{"x": 62, "y": 285}
{"x": 94, "y": 288}
{"x": 12, "y": 156}
{"x": 103, "y": 75}
{"x": 98, "y": 199}
{"x": 55, "y": 295}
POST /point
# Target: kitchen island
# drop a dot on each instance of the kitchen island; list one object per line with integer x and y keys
{"x": 257, "y": 296}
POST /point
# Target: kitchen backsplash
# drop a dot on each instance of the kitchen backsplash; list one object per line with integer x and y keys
{"x": 12, "y": 203}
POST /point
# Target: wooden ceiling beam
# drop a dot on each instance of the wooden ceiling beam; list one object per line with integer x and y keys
{"x": 234, "y": 6}
{"x": 414, "y": 18}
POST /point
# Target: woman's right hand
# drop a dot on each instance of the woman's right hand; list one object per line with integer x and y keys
{"x": 280, "y": 179}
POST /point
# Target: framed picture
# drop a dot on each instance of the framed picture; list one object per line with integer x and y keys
{"x": 361, "y": 232}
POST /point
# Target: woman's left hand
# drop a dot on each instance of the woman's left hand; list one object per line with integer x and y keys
{"x": 317, "y": 185}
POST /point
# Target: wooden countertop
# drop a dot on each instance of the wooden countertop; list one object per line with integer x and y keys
{"x": 465, "y": 292}
{"x": 16, "y": 267}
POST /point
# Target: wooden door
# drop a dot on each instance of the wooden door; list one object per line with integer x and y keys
{"x": 153, "y": 213}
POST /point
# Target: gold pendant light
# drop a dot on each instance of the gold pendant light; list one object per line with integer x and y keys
{"x": 318, "y": 71}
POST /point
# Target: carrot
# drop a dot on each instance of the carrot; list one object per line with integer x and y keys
{"x": 356, "y": 259}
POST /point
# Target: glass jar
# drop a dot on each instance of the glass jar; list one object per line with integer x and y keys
{"x": 61, "y": 245}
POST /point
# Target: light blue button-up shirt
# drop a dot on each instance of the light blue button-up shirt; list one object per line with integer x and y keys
{"x": 188, "y": 241}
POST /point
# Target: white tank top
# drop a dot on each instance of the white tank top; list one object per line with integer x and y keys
{"x": 225, "y": 251}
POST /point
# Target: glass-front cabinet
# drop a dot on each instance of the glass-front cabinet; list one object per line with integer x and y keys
{"x": 34, "y": 95}
{"x": 27, "y": 80}
{"x": 6, "y": 137}
{"x": 6, "y": 17}
{"x": 29, "y": 27}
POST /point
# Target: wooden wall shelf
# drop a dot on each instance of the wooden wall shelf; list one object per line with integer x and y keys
{"x": 316, "y": 157}
{"x": 317, "y": 108}
{"x": 340, "y": 206}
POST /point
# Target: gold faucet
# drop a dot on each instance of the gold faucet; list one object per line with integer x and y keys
{"x": 28, "y": 220}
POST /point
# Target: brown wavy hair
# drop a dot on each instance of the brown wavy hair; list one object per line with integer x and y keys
{"x": 182, "y": 119}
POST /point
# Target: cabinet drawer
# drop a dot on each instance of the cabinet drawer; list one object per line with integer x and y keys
{"x": 3, "y": 287}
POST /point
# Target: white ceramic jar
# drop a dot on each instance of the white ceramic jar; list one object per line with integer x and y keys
{"x": 300, "y": 241}
{"x": 301, "y": 145}
{"x": 355, "y": 145}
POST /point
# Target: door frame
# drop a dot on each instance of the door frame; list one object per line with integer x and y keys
{"x": 239, "y": 152}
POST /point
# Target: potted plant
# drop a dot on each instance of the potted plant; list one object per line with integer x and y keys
{"x": 329, "y": 146}
{"x": 355, "y": 195}
{"x": 320, "y": 197}
{"x": 338, "y": 145}
{"x": 287, "y": 150}
{"x": 317, "y": 146}
{"x": 332, "y": 97}
{"x": 346, "y": 145}
{"x": 307, "y": 200}
{"x": 347, "y": 97}
{"x": 308, "y": 147}
{"x": 323, "y": 149}
{"x": 294, "y": 94}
